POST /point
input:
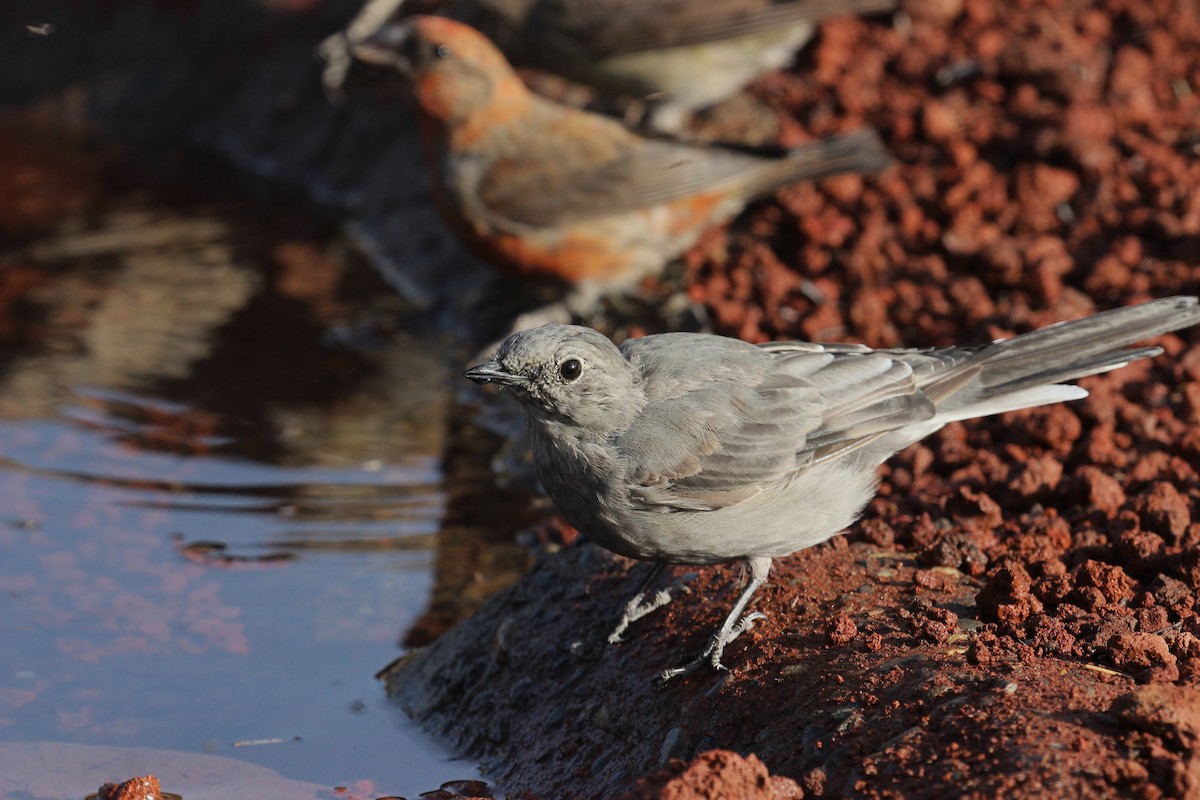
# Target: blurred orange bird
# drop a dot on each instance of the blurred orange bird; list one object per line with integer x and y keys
{"x": 540, "y": 189}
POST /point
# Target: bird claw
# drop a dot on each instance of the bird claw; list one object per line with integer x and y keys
{"x": 745, "y": 624}
{"x": 712, "y": 653}
{"x": 636, "y": 609}
{"x": 660, "y": 681}
{"x": 717, "y": 647}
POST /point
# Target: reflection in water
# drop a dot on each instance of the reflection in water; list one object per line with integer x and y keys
{"x": 220, "y": 482}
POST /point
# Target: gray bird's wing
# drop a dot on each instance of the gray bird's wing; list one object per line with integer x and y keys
{"x": 756, "y": 416}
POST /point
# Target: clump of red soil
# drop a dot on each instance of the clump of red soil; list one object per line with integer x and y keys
{"x": 715, "y": 774}
{"x": 140, "y": 788}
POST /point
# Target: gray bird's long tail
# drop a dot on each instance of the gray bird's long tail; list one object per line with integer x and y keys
{"x": 1028, "y": 370}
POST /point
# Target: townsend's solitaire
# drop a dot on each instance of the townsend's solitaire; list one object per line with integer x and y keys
{"x": 688, "y": 448}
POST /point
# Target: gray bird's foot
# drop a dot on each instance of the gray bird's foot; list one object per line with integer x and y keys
{"x": 637, "y": 608}
{"x": 718, "y": 647}
{"x": 711, "y": 655}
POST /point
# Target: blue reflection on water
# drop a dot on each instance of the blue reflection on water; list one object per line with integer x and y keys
{"x": 115, "y": 638}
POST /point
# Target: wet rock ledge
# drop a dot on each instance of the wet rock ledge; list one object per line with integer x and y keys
{"x": 872, "y": 676}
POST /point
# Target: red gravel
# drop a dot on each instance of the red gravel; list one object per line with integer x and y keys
{"x": 1048, "y": 168}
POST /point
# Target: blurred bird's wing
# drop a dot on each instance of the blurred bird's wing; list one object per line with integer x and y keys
{"x": 585, "y": 169}
{"x": 614, "y": 27}
{"x": 718, "y": 439}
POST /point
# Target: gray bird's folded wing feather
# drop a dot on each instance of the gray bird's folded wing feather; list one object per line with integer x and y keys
{"x": 752, "y": 421}
{"x": 736, "y": 419}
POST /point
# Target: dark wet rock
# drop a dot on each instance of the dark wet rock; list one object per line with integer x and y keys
{"x": 676, "y": 745}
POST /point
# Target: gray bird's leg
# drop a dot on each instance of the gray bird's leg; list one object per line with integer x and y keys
{"x": 733, "y": 626}
{"x": 638, "y": 606}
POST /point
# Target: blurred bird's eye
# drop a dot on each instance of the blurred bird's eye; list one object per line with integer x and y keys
{"x": 570, "y": 369}
{"x": 441, "y": 51}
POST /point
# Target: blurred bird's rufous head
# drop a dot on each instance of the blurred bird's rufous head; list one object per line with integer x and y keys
{"x": 456, "y": 73}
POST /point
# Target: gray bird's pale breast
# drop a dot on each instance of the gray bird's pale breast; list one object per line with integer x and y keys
{"x": 810, "y": 507}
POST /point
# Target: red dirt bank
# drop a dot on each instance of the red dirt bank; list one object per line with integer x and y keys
{"x": 1015, "y": 614}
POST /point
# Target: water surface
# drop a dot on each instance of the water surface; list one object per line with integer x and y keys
{"x": 220, "y": 476}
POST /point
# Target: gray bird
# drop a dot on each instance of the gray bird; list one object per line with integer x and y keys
{"x": 688, "y": 448}
{"x": 682, "y": 54}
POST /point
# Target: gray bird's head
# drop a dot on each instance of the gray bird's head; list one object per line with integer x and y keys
{"x": 566, "y": 374}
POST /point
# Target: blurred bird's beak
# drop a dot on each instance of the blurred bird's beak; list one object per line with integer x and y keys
{"x": 491, "y": 372}
{"x": 383, "y": 48}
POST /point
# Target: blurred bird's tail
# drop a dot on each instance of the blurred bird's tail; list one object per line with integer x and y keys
{"x": 1029, "y": 370}
{"x": 856, "y": 152}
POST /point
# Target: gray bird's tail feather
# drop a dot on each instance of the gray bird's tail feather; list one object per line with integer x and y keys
{"x": 1028, "y": 370}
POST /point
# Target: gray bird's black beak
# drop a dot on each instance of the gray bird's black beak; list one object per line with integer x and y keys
{"x": 491, "y": 372}
{"x": 384, "y": 48}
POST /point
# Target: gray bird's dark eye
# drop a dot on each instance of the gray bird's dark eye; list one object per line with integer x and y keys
{"x": 570, "y": 369}
{"x": 441, "y": 51}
